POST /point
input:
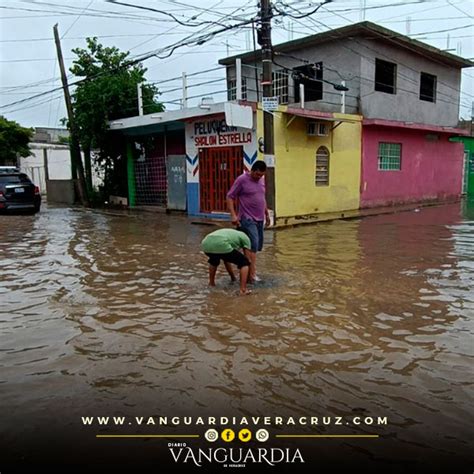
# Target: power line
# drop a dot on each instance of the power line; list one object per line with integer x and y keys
{"x": 190, "y": 40}
{"x": 92, "y": 13}
{"x": 171, "y": 48}
{"x": 398, "y": 88}
{"x": 26, "y": 60}
{"x": 162, "y": 12}
{"x": 77, "y": 19}
{"x": 34, "y": 40}
{"x": 460, "y": 10}
{"x": 379, "y": 53}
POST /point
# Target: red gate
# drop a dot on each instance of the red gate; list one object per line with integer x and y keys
{"x": 218, "y": 168}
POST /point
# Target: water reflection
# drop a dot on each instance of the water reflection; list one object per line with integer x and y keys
{"x": 109, "y": 313}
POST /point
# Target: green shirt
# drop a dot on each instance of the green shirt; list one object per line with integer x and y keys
{"x": 224, "y": 241}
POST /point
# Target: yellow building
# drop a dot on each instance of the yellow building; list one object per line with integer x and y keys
{"x": 317, "y": 164}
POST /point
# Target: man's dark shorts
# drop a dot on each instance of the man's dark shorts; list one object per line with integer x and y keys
{"x": 234, "y": 257}
{"x": 254, "y": 230}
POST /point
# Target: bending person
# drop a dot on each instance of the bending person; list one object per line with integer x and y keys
{"x": 224, "y": 244}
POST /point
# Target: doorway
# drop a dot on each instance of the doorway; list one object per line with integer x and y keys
{"x": 218, "y": 168}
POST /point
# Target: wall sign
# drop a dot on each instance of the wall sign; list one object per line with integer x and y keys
{"x": 209, "y": 133}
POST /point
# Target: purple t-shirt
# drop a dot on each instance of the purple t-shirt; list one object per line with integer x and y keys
{"x": 251, "y": 196}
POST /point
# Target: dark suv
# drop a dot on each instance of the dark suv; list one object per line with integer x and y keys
{"x": 17, "y": 192}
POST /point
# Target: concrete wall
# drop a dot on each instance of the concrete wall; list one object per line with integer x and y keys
{"x": 353, "y": 60}
{"x": 406, "y": 105}
{"x": 430, "y": 170}
{"x": 59, "y": 164}
{"x": 295, "y": 157}
{"x": 338, "y": 60}
{"x": 60, "y": 191}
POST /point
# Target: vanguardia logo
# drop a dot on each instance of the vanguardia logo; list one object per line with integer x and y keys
{"x": 234, "y": 456}
{"x": 270, "y": 456}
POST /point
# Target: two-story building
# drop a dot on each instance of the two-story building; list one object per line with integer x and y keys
{"x": 407, "y": 92}
{"x": 364, "y": 120}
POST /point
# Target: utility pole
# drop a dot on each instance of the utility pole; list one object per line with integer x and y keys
{"x": 255, "y": 54}
{"x": 265, "y": 41}
{"x": 75, "y": 150}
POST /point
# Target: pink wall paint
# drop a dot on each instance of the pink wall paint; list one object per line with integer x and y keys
{"x": 430, "y": 170}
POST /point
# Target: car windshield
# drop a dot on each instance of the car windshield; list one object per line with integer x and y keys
{"x": 14, "y": 178}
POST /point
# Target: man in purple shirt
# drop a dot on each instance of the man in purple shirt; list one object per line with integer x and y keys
{"x": 249, "y": 190}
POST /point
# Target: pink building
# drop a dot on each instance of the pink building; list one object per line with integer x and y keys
{"x": 404, "y": 162}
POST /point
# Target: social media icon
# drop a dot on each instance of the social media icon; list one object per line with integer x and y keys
{"x": 262, "y": 435}
{"x": 228, "y": 435}
{"x": 245, "y": 435}
{"x": 211, "y": 435}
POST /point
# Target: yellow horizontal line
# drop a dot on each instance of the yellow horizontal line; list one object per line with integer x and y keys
{"x": 147, "y": 436}
{"x": 326, "y": 436}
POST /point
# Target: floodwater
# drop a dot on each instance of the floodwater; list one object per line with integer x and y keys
{"x": 108, "y": 313}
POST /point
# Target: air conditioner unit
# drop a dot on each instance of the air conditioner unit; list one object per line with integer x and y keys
{"x": 318, "y": 129}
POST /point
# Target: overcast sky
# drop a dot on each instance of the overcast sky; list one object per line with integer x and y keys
{"x": 28, "y": 64}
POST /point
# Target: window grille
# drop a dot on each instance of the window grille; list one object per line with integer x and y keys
{"x": 389, "y": 158}
{"x": 322, "y": 167}
{"x": 280, "y": 86}
{"x": 232, "y": 89}
{"x": 318, "y": 129}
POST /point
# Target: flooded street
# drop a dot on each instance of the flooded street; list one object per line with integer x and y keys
{"x": 104, "y": 313}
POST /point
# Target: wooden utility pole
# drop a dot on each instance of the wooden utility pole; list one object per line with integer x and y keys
{"x": 265, "y": 41}
{"x": 76, "y": 160}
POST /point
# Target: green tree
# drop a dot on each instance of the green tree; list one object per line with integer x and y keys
{"x": 14, "y": 140}
{"x": 107, "y": 92}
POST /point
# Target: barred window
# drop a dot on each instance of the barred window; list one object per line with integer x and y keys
{"x": 322, "y": 167}
{"x": 280, "y": 86}
{"x": 390, "y": 155}
{"x": 232, "y": 89}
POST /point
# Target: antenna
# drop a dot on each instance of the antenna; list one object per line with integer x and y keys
{"x": 362, "y": 10}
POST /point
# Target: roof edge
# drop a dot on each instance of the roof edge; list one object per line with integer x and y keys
{"x": 414, "y": 126}
{"x": 357, "y": 28}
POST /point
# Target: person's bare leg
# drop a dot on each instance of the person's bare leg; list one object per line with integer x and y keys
{"x": 253, "y": 266}
{"x": 230, "y": 271}
{"x": 212, "y": 275}
{"x": 244, "y": 274}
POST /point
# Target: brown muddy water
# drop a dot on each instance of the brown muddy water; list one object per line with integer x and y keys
{"x": 109, "y": 314}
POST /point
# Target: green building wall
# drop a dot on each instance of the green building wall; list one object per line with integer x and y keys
{"x": 468, "y": 183}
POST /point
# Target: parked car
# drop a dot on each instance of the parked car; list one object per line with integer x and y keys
{"x": 17, "y": 191}
{"x": 5, "y": 169}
